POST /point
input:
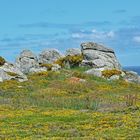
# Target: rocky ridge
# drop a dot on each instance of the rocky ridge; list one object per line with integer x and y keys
{"x": 100, "y": 60}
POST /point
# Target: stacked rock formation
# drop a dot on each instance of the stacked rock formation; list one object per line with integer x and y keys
{"x": 98, "y": 58}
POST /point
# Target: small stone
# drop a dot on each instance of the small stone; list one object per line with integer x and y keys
{"x": 96, "y": 72}
{"x": 56, "y": 67}
{"x": 114, "y": 77}
{"x": 1, "y": 80}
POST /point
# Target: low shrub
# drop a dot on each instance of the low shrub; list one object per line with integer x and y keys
{"x": 109, "y": 73}
{"x": 43, "y": 73}
{"x": 91, "y": 103}
{"x": 72, "y": 60}
{"x": 2, "y": 61}
{"x": 79, "y": 74}
{"x": 48, "y": 66}
{"x": 60, "y": 62}
{"x": 131, "y": 100}
{"x": 12, "y": 74}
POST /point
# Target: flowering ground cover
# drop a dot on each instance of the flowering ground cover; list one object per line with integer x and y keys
{"x": 49, "y": 106}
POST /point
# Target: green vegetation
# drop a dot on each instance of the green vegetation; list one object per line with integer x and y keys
{"x": 12, "y": 74}
{"x": 49, "y": 106}
{"x": 109, "y": 73}
{"x": 48, "y": 66}
{"x": 72, "y": 60}
{"x": 2, "y": 61}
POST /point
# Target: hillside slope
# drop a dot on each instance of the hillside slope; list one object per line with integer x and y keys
{"x": 69, "y": 105}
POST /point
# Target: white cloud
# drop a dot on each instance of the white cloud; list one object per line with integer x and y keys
{"x": 111, "y": 34}
{"x": 136, "y": 39}
{"x": 93, "y": 34}
{"x": 77, "y": 35}
{"x": 94, "y": 31}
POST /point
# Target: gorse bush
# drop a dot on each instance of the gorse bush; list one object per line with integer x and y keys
{"x": 48, "y": 66}
{"x": 72, "y": 60}
{"x": 12, "y": 74}
{"x": 109, "y": 73}
{"x": 60, "y": 62}
{"x": 2, "y": 61}
{"x": 43, "y": 73}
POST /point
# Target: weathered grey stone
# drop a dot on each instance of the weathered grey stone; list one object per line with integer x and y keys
{"x": 7, "y": 67}
{"x": 98, "y": 56}
{"x": 95, "y": 46}
{"x": 139, "y": 80}
{"x": 11, "y": 68}
{"x": 55, "y": 67}
{"x": 95, "y": 71}
{"x": 114, "y": 77}
{"x": 4, "y": 76}
{"x": 28, "y": 54}
{"x": 132, "y": 77}
{"x": 21, "y": 78}
{"x": 1, "y": 80}
{"x": 82, "y": 80}
{"x": 73, "y": 51}
{"x": 49, "y": 56}
{"x": 36, "y": 70}
{"x": 26, "y": 61}
{"x": 67, "y": 65}
{"x": 122, "y": 74}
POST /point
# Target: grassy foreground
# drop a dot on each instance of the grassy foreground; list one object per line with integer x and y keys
{"x": 51, "y": 106}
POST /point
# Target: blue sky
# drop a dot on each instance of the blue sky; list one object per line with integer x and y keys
{"x": 62, "y": 24}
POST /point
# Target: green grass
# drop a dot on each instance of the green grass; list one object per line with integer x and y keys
{"x": 48, "y": 106}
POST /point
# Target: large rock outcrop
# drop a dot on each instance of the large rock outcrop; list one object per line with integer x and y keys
{"x": 98, "y": 56}
{"x": 10, "y": 71}
{"x": 102, "y": 62}
{"x": 26, "y": 61}
{"x": 49, "y": 56}
{"x": 73, "y": 52}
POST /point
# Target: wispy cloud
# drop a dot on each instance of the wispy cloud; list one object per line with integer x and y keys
{"x": 28, "y": 38}
{"x": 136, "y": 39}
{"x": 133, "y": 22}
{"x": 16, "y": 39}
{"x": 120, "y": 11}
{"x": 52, "y": 12}
{"x": 94, "y": 35}
{"x": 65, "y": 25}
{"x": 127, "y": 40}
